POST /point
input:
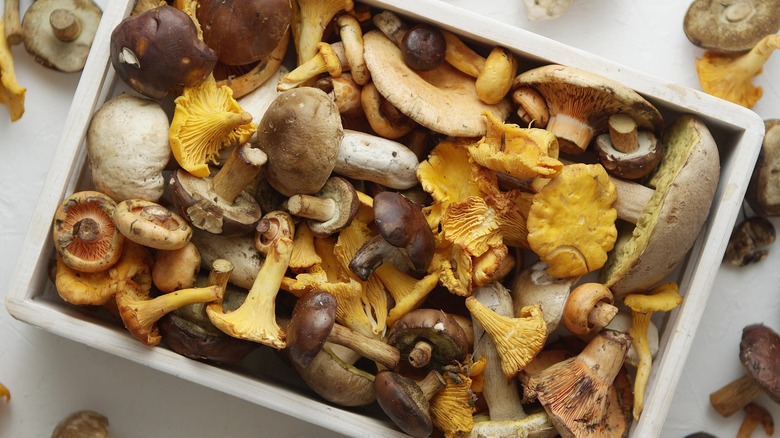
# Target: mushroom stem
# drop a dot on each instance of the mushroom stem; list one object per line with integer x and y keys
{"x": 623, "y": 133}
{"x": 431, "y": 384}
{"x": 632, "y": 198}
{"x": 13, "y": 25}
{"x": 370, "y": 348}
{"x": 65, "y": 25}
{"x": 240, "y": 170}
{"x": 420, "y": 355}
{"x": 220, "y": 273}
{"x": 601, "y": 314}
{"x": 756, "y": 415}
{"x": 311, "y": 207}
{"x": 261, "y": 73}
{"x": 372, "y": 255}
{"x": 735, "y": 395}
{"x": 391, "y": 25}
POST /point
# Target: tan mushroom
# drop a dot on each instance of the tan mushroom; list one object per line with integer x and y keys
{"x": 151, "y": 224}
{"x": 13, "y": 24}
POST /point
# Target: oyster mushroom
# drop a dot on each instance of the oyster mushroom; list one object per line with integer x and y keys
{"x": 580, "y": 104}
{"x": 731, "y": 26}
{"x": 85, "y": 236}
{"x": 59, "y": 33}
{"x": 158, "y": 52}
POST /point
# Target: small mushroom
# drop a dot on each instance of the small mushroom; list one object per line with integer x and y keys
{"x": 588, "y": 309}
{"x": 749, "y": 241}
{"x": 328, "y": 211}
{"x": 82, "y": 424}
{"x": 85, "y": 236}
{"x": 756, "y": 415}
{"x": 219, "y": 204}
{"x": 352, "y": 41}
{"x": 313, "y": 323}
{"x": 733, "y": 26}
{"x": 406, "y": 401}
{"x": 763, "y": 195}
{"x": 176, "y": 269}
{"x": 324, "y": 60}
{"x": 428, "y": 337}
{"x": 59, "y": 33}
{"x": 423, "y": 47}
{"x": 336, "y": 380}
{"x": 404, "y": 238}
{"x": 758, "y": 353}
{"x": 244, "y": 31}
{"x": 158, "y": 52}
{"x": 580, "y": 104}
{"x": 626, "y": 152}
{"x": 13, "y": 25}
{"x": 151, "y": 224}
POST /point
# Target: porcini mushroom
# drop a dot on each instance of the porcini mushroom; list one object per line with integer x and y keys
{"x": 730, "y": 76}
{"x": 734, "y": 26}
{"x": 580, "y": 104}
{"x": 219, "y": 204}
{"x": 328, "y": 211}
{"x": 313, "y": 323}
{"x": 662, "y": 298}
{"x": 758, "y": 353}
{"x": 85, "y": 236}
{"x": 158, "y": 52}
{"x": 442, "y": 99}
{"x": 428, "y": 337}
{"x": 59, "y": 33}
{"x": 406, "y": 401}
{"x": 404, "y": 238}
{"x": 151, "y": 224}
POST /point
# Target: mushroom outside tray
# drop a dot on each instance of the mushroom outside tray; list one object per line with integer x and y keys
{"x": 737, "y": 133}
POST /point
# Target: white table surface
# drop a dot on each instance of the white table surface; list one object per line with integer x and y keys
{"x": 50, "y": 377}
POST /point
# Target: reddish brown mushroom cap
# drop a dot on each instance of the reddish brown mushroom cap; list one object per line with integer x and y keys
{"x": 759, "y": 352}
{"x": 313, "y": 318}
{"x": 402, "y": 224}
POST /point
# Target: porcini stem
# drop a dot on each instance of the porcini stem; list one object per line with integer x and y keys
{"x": 374, "y": 349}
{"x": 240, "y": 170}
{"x": 13, "y": 25}
{"x": 65, "y": 24}
{"x": 431, "y": 384}
{"x": 311, "y": 207}
{"x": 735, "y": 395}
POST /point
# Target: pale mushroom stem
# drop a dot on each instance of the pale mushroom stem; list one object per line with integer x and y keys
{"x": 602, "y": 314}
{"x": 13, "y": 24}
{"x": 420, "y": 355}
{"x": 65, "y": 25}
{"x": 240, "y": 169}
{"x": 373, "y": 349}
{"x": 632, "y": 198}
{"x": 753, "y": 61}
{"x": 220, "y": 273}
{"x": 623, "y": 133}
{"x": 431, "y": 384}
{"x": 311, "y": 207}
{"x": 735, "y": 395}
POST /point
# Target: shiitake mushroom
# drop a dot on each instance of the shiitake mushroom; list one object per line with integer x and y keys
{"x": 244, "y": 31}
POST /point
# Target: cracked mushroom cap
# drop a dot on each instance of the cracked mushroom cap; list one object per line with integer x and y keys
{"x": 442, "y": 99}
{"x": 580, "y": 104}
{"x": 731, "y": 26}
{"x": 59, "y": 33}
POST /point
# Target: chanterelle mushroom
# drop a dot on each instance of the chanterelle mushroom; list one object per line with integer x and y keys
{"x": 59, "y": 33}
{"x": 11, "y": 93}
{"x": 731, "y": 26}
{"x": 580, "y": 103}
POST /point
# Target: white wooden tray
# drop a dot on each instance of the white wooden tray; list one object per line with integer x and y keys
{"x": 31, "y": 297}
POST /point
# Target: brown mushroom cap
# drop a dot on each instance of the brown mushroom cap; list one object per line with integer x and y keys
{"x": 158, "y": 52}
{"x": 85, "y": 236}
{"x": 243, "y": 31}
{"x": 59, "y": 33}
{"x": 313, "y": 318}
{"x": 763, "y": 193}
{"x": 341, "y": 199}
{"x": 301, "y": 133}
{"x": 151, "y": 224}
{"x": 405, "y": 402}
{"x": 759, "y": 352}
{"x": 442, "y": 99}
{"x": 402, "y": 224}
{"x": 433, "y": 327}
{"x": 337, "y": 381}
{"x": 733, "y": 26}
{"x": 580, "y": 104}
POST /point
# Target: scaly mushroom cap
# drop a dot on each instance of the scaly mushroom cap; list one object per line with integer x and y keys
{"x": 84, "y": 233}
{"x": 580, "y": 103}
{"x": 734, "y": 26}
{"x": 59, "y": 33}
{"x": 685, "y": 183}
{"x": 442, "y": 99}
{"x": 759, "y": 352}
{"x": 244, "y": 31}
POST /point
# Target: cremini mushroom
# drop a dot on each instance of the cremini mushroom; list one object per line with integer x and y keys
{"x": 758, "y": 353}
{"x": 309, "y": 21}
{"x": 328, "y": 211}
{"x": 59, "y": 33}
{"x": 151, "y": 224}
{"x": 406, "y": 402}
{"x": 127, "y": 148}
{"x": 244, "y": 31}
{"x": 428, "y": 337}
{"x": 11, "y": 93}
{"x": 763, "y": 195}
{"x": 404, "y": 238}
{"x": 578, "y": 393}
{"x": 442, "y": 99}
{"x": 730, "y": 76}
{"x": 662, "y": 298}
{"x": 255, "y": 319}
{"x": 733, "y": 26}
{"x": 82, "y": 424}
{"x": 85, "y": 236}
{"x": 158, "y": 52}
{"x": 580, "y": 104}
{"x": 219, "y": 204}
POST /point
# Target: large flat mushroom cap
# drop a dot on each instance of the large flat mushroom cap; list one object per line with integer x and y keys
{"x": 685, "y": 182}
{"x": 443, "y": 99}
{"x": 588, "y": 98}
{"x": 731, "y": 26}
{"x": 759, "y": 352}
{"x": 42, "y": 42}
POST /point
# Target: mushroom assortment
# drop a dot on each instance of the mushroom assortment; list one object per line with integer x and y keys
{"x": 360, "y": 261}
